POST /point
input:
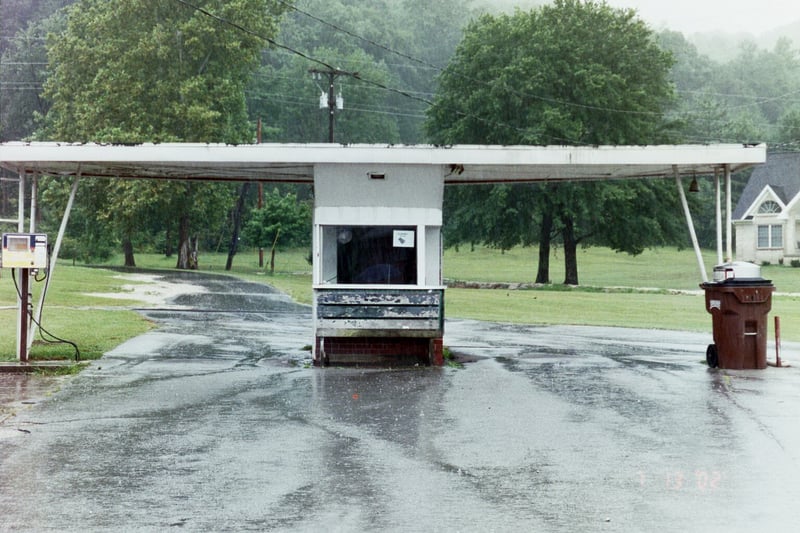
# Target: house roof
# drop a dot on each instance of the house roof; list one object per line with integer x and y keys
{"x": 781, "y": 172}
{"x": 296, "y": 162}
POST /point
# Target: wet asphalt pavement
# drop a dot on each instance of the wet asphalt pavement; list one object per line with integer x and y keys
{"x": 216, "y": 422}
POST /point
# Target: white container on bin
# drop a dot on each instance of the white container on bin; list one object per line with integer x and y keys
{"x": 736, "y": 270}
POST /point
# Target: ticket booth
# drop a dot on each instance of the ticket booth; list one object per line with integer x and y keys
{"x": 378, "y": 293}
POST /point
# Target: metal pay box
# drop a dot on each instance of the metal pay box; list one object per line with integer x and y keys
{"x": 24, "y": 250}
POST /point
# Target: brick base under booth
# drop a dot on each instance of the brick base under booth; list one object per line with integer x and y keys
{"x": 378, "y": 351}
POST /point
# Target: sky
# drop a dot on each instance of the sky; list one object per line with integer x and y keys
{"x": 691, "y": 16}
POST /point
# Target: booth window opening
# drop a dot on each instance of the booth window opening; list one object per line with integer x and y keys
{"x": 376, "y": 255}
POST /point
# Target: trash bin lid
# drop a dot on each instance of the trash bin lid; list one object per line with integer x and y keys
{"x": 737, "y": 270}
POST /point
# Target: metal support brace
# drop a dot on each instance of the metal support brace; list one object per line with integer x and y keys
{"x": 690, "y": 223}
{"x": 34, "y": 203}
{"x": 728, "y": 211}
{"x": 22, "y": 279}
{"x": 718, "y": 202}
{"x": 54, "y": 255}
{"x": 21, "y": 202}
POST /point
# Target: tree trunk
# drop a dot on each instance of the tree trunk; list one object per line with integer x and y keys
{"x": 237, "y": 221}
{"x": 272, "y": 252}
{"x": 127, "y": 250}
{"x": 545, "y": 236}
{"x": 187, "y": 250}
{"x": 570, "y": 251}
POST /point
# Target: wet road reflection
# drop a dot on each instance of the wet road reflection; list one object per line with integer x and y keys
{"x": 215, "y": 421}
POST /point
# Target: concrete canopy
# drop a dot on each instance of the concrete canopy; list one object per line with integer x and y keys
{"x": 295, "y": 162}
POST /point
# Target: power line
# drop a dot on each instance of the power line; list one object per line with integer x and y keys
{"x": 307, "y": 102}
{"x": 297, "y": 52}
{"x": 359, "y": 37}
{"x": 252, "y": 33}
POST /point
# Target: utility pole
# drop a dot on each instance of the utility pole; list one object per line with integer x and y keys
{"x": 333, "y": 102}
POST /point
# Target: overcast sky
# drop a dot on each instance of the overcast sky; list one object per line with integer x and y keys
{"x": 689, "y": 16}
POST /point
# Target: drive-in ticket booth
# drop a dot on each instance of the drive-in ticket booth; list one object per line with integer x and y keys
{"x": 378, "y": 293}
{"x": 739, "y": 301}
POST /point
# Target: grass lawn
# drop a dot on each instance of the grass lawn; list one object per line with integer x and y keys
{"x": 616, "y": 290}
{"x": 95, "y": 324}
{"x": 646, "y": 290}
{"x": 665, "y": 269}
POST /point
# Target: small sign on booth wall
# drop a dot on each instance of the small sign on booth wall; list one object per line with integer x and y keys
{"x": 403, "y": 238}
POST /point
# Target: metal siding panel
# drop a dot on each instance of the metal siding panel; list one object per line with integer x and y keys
{"x": 378, "y": 311}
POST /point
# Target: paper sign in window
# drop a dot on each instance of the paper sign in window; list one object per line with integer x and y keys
{"x": 403, "y": 238}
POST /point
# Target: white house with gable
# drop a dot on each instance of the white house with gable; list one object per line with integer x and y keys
{"x": 767, "y": 216}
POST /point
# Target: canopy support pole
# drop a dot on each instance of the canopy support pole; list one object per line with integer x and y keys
{"x": 34, "y": 202}
{"x": 718, "y": 202}
{"x": 690, "y": 223}
{"x": 23, "y": 297}
{"x": 728, "y": 222}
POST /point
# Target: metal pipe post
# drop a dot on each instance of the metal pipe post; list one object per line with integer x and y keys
{"x": 690, "y": 223}
{"x": 728, "y": 222}
{"x": 23, "y": 318}
{"x": 21, "y": 203}
{"x": 34, "y": 203}
{"x": 718, "y": 201}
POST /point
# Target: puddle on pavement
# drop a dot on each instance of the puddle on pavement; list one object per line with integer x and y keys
{"x": 21, "y": 388}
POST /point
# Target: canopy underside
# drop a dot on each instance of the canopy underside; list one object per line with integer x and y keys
{"x": 461, "y": 164}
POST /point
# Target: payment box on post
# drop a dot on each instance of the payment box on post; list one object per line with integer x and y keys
{"x": 24, "y": 250}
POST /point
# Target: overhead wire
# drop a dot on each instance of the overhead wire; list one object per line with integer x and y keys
{"x": 305, "y": 56}
{"x": 359, "y": 37}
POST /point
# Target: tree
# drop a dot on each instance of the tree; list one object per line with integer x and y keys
{"x": 575, "y": 73}
{"x": 282, "y": 222}
{"x": 129, "y": 71}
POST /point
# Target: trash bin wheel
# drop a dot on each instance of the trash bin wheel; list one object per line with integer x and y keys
{"x": 712, "y": 356}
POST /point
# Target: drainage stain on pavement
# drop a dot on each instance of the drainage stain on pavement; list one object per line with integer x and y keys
{"x": 18, "y": 389}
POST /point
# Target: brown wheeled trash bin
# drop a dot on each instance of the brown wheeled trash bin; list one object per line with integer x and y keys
{"x": 739, "y": 301}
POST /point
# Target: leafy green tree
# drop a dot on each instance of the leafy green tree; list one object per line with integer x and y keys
{"x": 283, "y": 222}
{"x": 127, "y": 71}
{"x": 575, "y": 73}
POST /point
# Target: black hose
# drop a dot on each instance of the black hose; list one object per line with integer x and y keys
{"x": 29, "y": 312}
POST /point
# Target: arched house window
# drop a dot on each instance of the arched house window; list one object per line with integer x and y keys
{"x": 769, "y": 207}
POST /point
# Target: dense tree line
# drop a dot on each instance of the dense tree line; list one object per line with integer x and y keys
{"x": 162, "y": 70}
